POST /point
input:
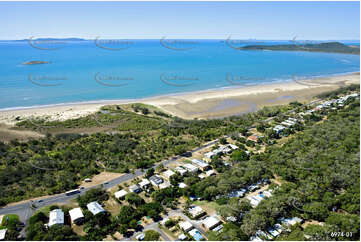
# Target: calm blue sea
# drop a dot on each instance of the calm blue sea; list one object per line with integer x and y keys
{"x": 83, "y": 71}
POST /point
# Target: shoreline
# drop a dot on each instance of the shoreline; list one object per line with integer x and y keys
{"x": 197, "y": 104}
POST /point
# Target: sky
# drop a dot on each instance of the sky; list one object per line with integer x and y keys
{"x": 181, "y": 20}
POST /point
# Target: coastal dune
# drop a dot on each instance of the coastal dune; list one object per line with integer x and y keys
{"x": 203, "y": 104}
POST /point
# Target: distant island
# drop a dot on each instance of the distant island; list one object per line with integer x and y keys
{"x": 330, "y": 47}
{"x": 35, "y": 62}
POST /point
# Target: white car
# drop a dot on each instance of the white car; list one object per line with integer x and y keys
{"x": 140, "y": 236}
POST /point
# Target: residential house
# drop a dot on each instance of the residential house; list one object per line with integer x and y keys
{"x": 135, "y": 188}
{"x": 186, "y": 226}
{"x": 164, "y": 185}
{"x": 3, "y": 234}
{"x": 181, "y": 170}
{"x": 211, "y": 222}
{"x": 95, "y": 208}
{"x": 120, "y": 194}
{"x": 279, "y": 129}
{"x": 56, "y": 216}
{"x": 168, "y": 173}
{"x": 182, "y": 237}
{"x": 253, "y": 138}
{"x": 156, "y": 180}
{"x": 196, "y": 212}
{"x": 190, "y": 168}
{"x": 76, "y": 215}
{"x": 182, "y": 185}
{"x": 196, "y": 234}
{"x": 202, "y": 165}
{"x": 211, "y": 173}
{"x": 144, "y": 184}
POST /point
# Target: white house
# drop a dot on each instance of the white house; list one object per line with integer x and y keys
{"x": 2, "y": 234}
{"x": 210, "y": 172}
{"x": 196, "y": 211}
{"x": 56, "y": 216}
{"x": 181, "y": 170}
{"x": 190, "y": 167}
{"x": 202, "y": 165}
{"x": 186, "y": 226}
{"x": 76, "y": 215}
{"x": 279, "y": 128}
{"x": 156, "y": 180}
{"x": 120, "y": 194}
{"x": 95, "y": 208}
{"x": 182, "y": 185}
{"x": 168, "y": 173}
{"x": 211, "y": 222}
{"x": 135, "y": 188}
{"x": 145, "y": 183}
{"x": 164, "y": 185}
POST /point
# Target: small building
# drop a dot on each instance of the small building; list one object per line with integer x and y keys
{"x": 291, "y": 221}
{"x": 190, "y": 168}
{"x": 186, "y": 226}
{"x": 56, "y": 216}
{"x": 164, "y": 185}
{"x": 196, "y": 234}
{"x": 182, "y": 237}
{"x": 87, "y": 180}
{"x": 279, "y": 128}
{"x": 202, "y": 176}
{"x": 202, "y": 165}
{"x": 182, "y": 185}
{"x": 95, "y": 208}
{"x": 196, "y": 212}
{"x": 286, "y": 123}
{"x": 209, "y": 155}
{"x": 253, "y": 138}
{"x": 3, "y": 233}
{"x": 120, "y": 194}
{"x": 273, "y": 232}
{"x": 211, "y": 222}
{"x": 135, "y": 188}
{"x": 76, "y": 216}
{"x": 156, "y": 180}
{"x": 144, "y": 184}
{"x": 211, "y": 173}
{"x": 181, "y": 170}
{"x": 168, "y": 173}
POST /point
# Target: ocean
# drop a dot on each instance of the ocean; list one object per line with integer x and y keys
{"x": 97, "y": 70}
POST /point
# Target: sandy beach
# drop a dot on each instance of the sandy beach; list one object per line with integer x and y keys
{"x": 202, "y": 104}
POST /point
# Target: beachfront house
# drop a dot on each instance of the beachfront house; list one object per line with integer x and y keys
{"x": 3, "y": 234}
{"x": 181, "y": 170}
{"x": 56, "y": 216}
{"x": 120, "y": 194}
{"x": 190, "y": 168}
{"x": 76, "y": 216}
{"x": 135, "y": 188}
{"x": 211, "y": 222}
{"x": 156, "y": 180}
{"x": 186, "y": 226}
{"x": 202, "y": 165}
{"x": 95, "y": 208}
{"x": 144, "y": 184}
{"x": 196, "y": 212}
